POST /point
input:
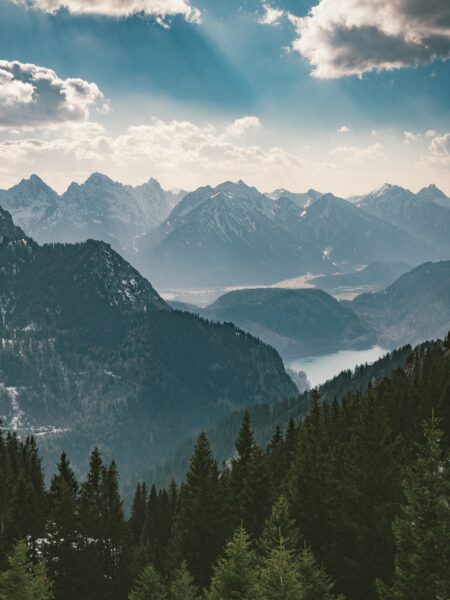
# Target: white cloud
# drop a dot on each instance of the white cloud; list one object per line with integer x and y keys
{"x": 430, "y": 133}
{"x": 271, "y": 15}
{"x": 409, "y": 137}
{"x": 439, "y": 151}
{"x": 33, "y": 96}
{"x": 352, "y": 37}
{"x": 13, "y": 91}
{"x": 241, "y": 126}
{"x": 352, "y": 155}
{"x": 180, "y": 152}
{"x": 118, "y": 8}
{"x": 343, "y": 129}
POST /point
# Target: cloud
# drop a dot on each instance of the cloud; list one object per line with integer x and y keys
{"x": 439, "y": 151}
{"x": 118, "y": 8}
{"x": 352, "y": 37}
{"x": 33, "y": 96}
{"x": 343, "y": 129}
{"x": 430, "y": 133}
{"x": 271, "y": 15}
{"x": 409, "y": 137}
{"x": 239, "y": 127}
{"x": 352, "y": 155}
{"x": 175, "y": 150}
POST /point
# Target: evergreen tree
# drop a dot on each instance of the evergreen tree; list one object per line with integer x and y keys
{"x": 235, "y": 574}
{"x": 138, "y": 512}
{"x": 422, "y": 531}
{"x": 314, "y": 582}
{"x": 23, "y": 580}
{"x": 278, "y": 526}
{"x": 250, "y": 482}
{"x": 148, "y": 586}
{"x": 61, "y": 545}
{"x": 198, "y": 534}
{"x": 278, "y": 576}
{"x": 183, "y": 587}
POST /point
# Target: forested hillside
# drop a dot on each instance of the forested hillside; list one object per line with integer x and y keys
{"x": 352, "y": 501}
{"x": 91, "y": 354}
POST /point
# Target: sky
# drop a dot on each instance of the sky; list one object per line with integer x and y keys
{"x": 337, "y": 95}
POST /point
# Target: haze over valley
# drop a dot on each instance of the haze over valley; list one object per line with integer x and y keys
{"x": 224, "y": 300}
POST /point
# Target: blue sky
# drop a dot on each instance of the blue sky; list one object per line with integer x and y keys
{"x": 341, "y": 112}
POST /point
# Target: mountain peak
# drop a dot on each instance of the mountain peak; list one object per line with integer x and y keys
{"x": 98, "y": 179}
{"x": 432, "y": 190}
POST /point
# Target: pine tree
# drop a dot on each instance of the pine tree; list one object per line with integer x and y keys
{"x": 314, "y": 582}
{"x": 183, "y": 587}
{"x": 198, "y": 532}
{"x": 138, "y": 512}
{"x": 278, "y": 526}
{"x": 422, "y": 531}
{"x": 148, "y": 586}
{"x": 23, "y": 580}
{"x": 250, "y": 482}
{"x": 61, "y": 546}
{"x": 278, "y": 578}
{"x": 235, "y": 574}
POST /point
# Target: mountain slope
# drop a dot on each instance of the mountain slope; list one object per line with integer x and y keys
{"x": 414, "y": 308}
{"x": 349, "y": 235}
{"x": 36, "y": 207}
{"x": 226, "y": 235}
{"x": 375, "y": 276}
{"x": 89, "y": 351}
{"x": 99, "y": 208}
{"x": 431, "y": 193}
{"x": 297, "y": 322}
{"x": 421, "y": 218}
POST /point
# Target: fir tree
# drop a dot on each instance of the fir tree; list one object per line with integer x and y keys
{"x": 278, "y": 578}
{"x": 61, "y": 547}
{"x": 278, "y": 526}
{"x": 198, "y": 534}
{"x": 183, "y": 587}
{"x": 148, "y": 586}
{"x": 314, "y": 582}
{"x": 235, "y": 575}
{"x": 422, "y": 531}
{"x": 23, "y": 580}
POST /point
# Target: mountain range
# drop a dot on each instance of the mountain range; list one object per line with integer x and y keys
{"x": 99, "y": 208}
{"x": 232, "y": 234}
{"x": 89, "y": 350}
{"x": 424, "y": 215}
{"x": 413, "y": 308}
{"x": 308, "y": 322}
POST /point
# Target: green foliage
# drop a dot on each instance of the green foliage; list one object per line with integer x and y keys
{"x": 279, "y": 577}
{"x": 234, "y": 576}
{"x": 198, "y": 535}
{"x": 148, "y": 586}
{"x": 183, "y": 586}
{"x": 422, "y": 530}
{"x": 314, "y": 582}
{"x": 23, "y": 580}
{"x": 279, "y": 526}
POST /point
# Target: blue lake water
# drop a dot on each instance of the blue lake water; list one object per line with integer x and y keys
{"x": 326, "y": 366}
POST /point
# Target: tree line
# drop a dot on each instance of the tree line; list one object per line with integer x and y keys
{"x": 354, "y": 502}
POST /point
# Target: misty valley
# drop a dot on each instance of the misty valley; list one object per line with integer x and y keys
{"x": 224, "y": 300}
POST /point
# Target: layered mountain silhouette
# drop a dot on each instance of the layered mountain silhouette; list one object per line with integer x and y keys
{"x": 99, "y": 208}
{"x": 90, "y": 351}
{"x": 232, "y": 234}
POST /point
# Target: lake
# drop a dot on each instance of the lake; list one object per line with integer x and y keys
{"x": 326, "y": 366}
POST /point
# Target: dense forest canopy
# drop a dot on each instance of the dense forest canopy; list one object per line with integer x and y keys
{"x": 353, "y": 501}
